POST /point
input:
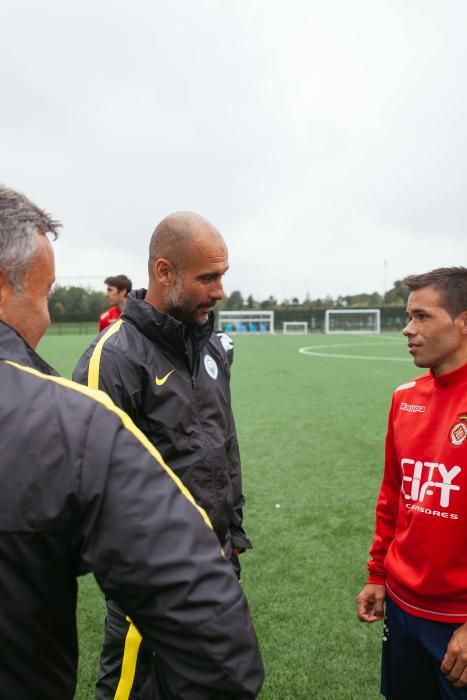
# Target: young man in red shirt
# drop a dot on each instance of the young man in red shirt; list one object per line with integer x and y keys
{"x": 418, "y": 565}
{"x": 118, "y": 288}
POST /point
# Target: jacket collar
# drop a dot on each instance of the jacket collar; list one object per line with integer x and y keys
{"x": 162, "y": 328}
{"x": 450, "y": 379}
{"x": 14, "y": 347}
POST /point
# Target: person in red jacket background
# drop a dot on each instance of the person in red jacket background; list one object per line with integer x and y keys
{"x": 418, "y": 566}
{"x": 118, "y": 288}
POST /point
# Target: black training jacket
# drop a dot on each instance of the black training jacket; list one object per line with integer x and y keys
{"x": 83, "y": 490}
{"x": 178, "y": 394}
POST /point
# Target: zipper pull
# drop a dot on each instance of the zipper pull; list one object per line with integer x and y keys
{"x": 193, "y": 382}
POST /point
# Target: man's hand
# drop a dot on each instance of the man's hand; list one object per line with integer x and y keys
{"x": 454, "y": 664}
{"x": 370, "y": 603}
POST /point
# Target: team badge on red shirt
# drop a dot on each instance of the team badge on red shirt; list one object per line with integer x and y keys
{"x": 458, "y": 432}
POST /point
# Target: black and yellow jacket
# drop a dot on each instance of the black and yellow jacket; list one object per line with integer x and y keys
{"x": 83, "y": 490}
{"x": 176, "y": 389}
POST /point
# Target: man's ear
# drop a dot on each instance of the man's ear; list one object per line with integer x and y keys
{"x": 463, "y": 320}
{"x": 164, "y": 272}
{"x": 6, "y": 291}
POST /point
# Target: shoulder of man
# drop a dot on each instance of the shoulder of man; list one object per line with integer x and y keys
{"x": 116, "y": 356}
{"x": 224, "y": 341}
{"x": 47, "y": 408}
{"x": 417, "y": 383}
{"x": 111, "y": 340}
{"x": 40, "y": 385}
{"x": 410, "y": 397}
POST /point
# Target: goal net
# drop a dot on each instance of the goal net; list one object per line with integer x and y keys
{"x": 352, "y": 321}
{"x": 246, "y": 321}
{"x": 295, "y": 327}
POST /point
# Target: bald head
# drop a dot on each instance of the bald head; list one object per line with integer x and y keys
{"x": 187, "y": 260}
{"x": 175, "y": 236}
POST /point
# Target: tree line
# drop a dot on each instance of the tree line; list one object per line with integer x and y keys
{"x": 76, "y": 304}
{"x": 397, "y": 296}
{"x": 84, "y": 305}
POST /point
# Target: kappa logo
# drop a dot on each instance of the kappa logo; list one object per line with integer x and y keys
{"x": 163, "y": 380}
{"x": 458, "y": 431}
{"x": 412, "y": 408}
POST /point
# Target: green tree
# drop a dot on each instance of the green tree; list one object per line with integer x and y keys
{"x": 235, "y": 301}
{"x": 398, "y": 295}
{"x": 269, "y": 303}
{"x": 76, "y": 304}
{"x": 57, "y": 304}
{"x": 362, "y": 300}
{"x": 97, "y": 304}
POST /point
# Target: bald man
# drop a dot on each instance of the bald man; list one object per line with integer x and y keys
{"x": 163, "y": 364}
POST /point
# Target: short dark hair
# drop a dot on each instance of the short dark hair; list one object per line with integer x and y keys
{"x": 451, "y": 282}
{"x": 120, "y": 282}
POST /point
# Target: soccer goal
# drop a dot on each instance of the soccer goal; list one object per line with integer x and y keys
{"x": 352, "y": 321}
{"x": 251, "y": 321}
{"x": 294, "y": 327}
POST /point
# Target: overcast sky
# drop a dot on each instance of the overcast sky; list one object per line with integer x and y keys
{"x": 321, "y": 138}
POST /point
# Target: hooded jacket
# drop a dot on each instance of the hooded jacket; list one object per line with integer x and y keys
{"x": 175, "y": 386}
{"x": 83, "y": 490}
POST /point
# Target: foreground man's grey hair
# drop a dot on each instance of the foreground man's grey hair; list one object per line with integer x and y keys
{"x": 20, "y": 222}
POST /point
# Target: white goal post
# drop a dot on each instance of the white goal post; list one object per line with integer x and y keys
{"x": 352, "y": 321}
{"x": 251, "y": 321}
{"x": 294, "y": 327}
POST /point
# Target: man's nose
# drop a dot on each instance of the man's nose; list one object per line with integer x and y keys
{"x": 217, "y": 290}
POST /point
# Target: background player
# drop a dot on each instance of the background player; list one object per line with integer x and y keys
{"x": 118, "y": 288}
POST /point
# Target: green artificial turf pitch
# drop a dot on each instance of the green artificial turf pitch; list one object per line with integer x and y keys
{"x": 311, "y": 430}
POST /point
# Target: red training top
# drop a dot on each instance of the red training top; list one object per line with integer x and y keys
{"x": 109, "y": 317}
{"x": 420, "y": 546}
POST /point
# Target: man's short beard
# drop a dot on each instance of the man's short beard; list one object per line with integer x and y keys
{"x": 180, "y": 306}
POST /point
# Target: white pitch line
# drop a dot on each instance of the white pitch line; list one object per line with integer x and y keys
{"x": 311, "y": 350}
{"x": 355, "y": 357}
{"x": 339, "y": 345}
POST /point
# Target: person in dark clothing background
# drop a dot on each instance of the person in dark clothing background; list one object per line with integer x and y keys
{"x": 166, "y": 367}
{"x": 83, "y": 490}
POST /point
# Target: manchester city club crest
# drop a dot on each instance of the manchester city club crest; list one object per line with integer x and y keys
{"x": 211, "y": 366}
{"x": 458, "y": 432}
